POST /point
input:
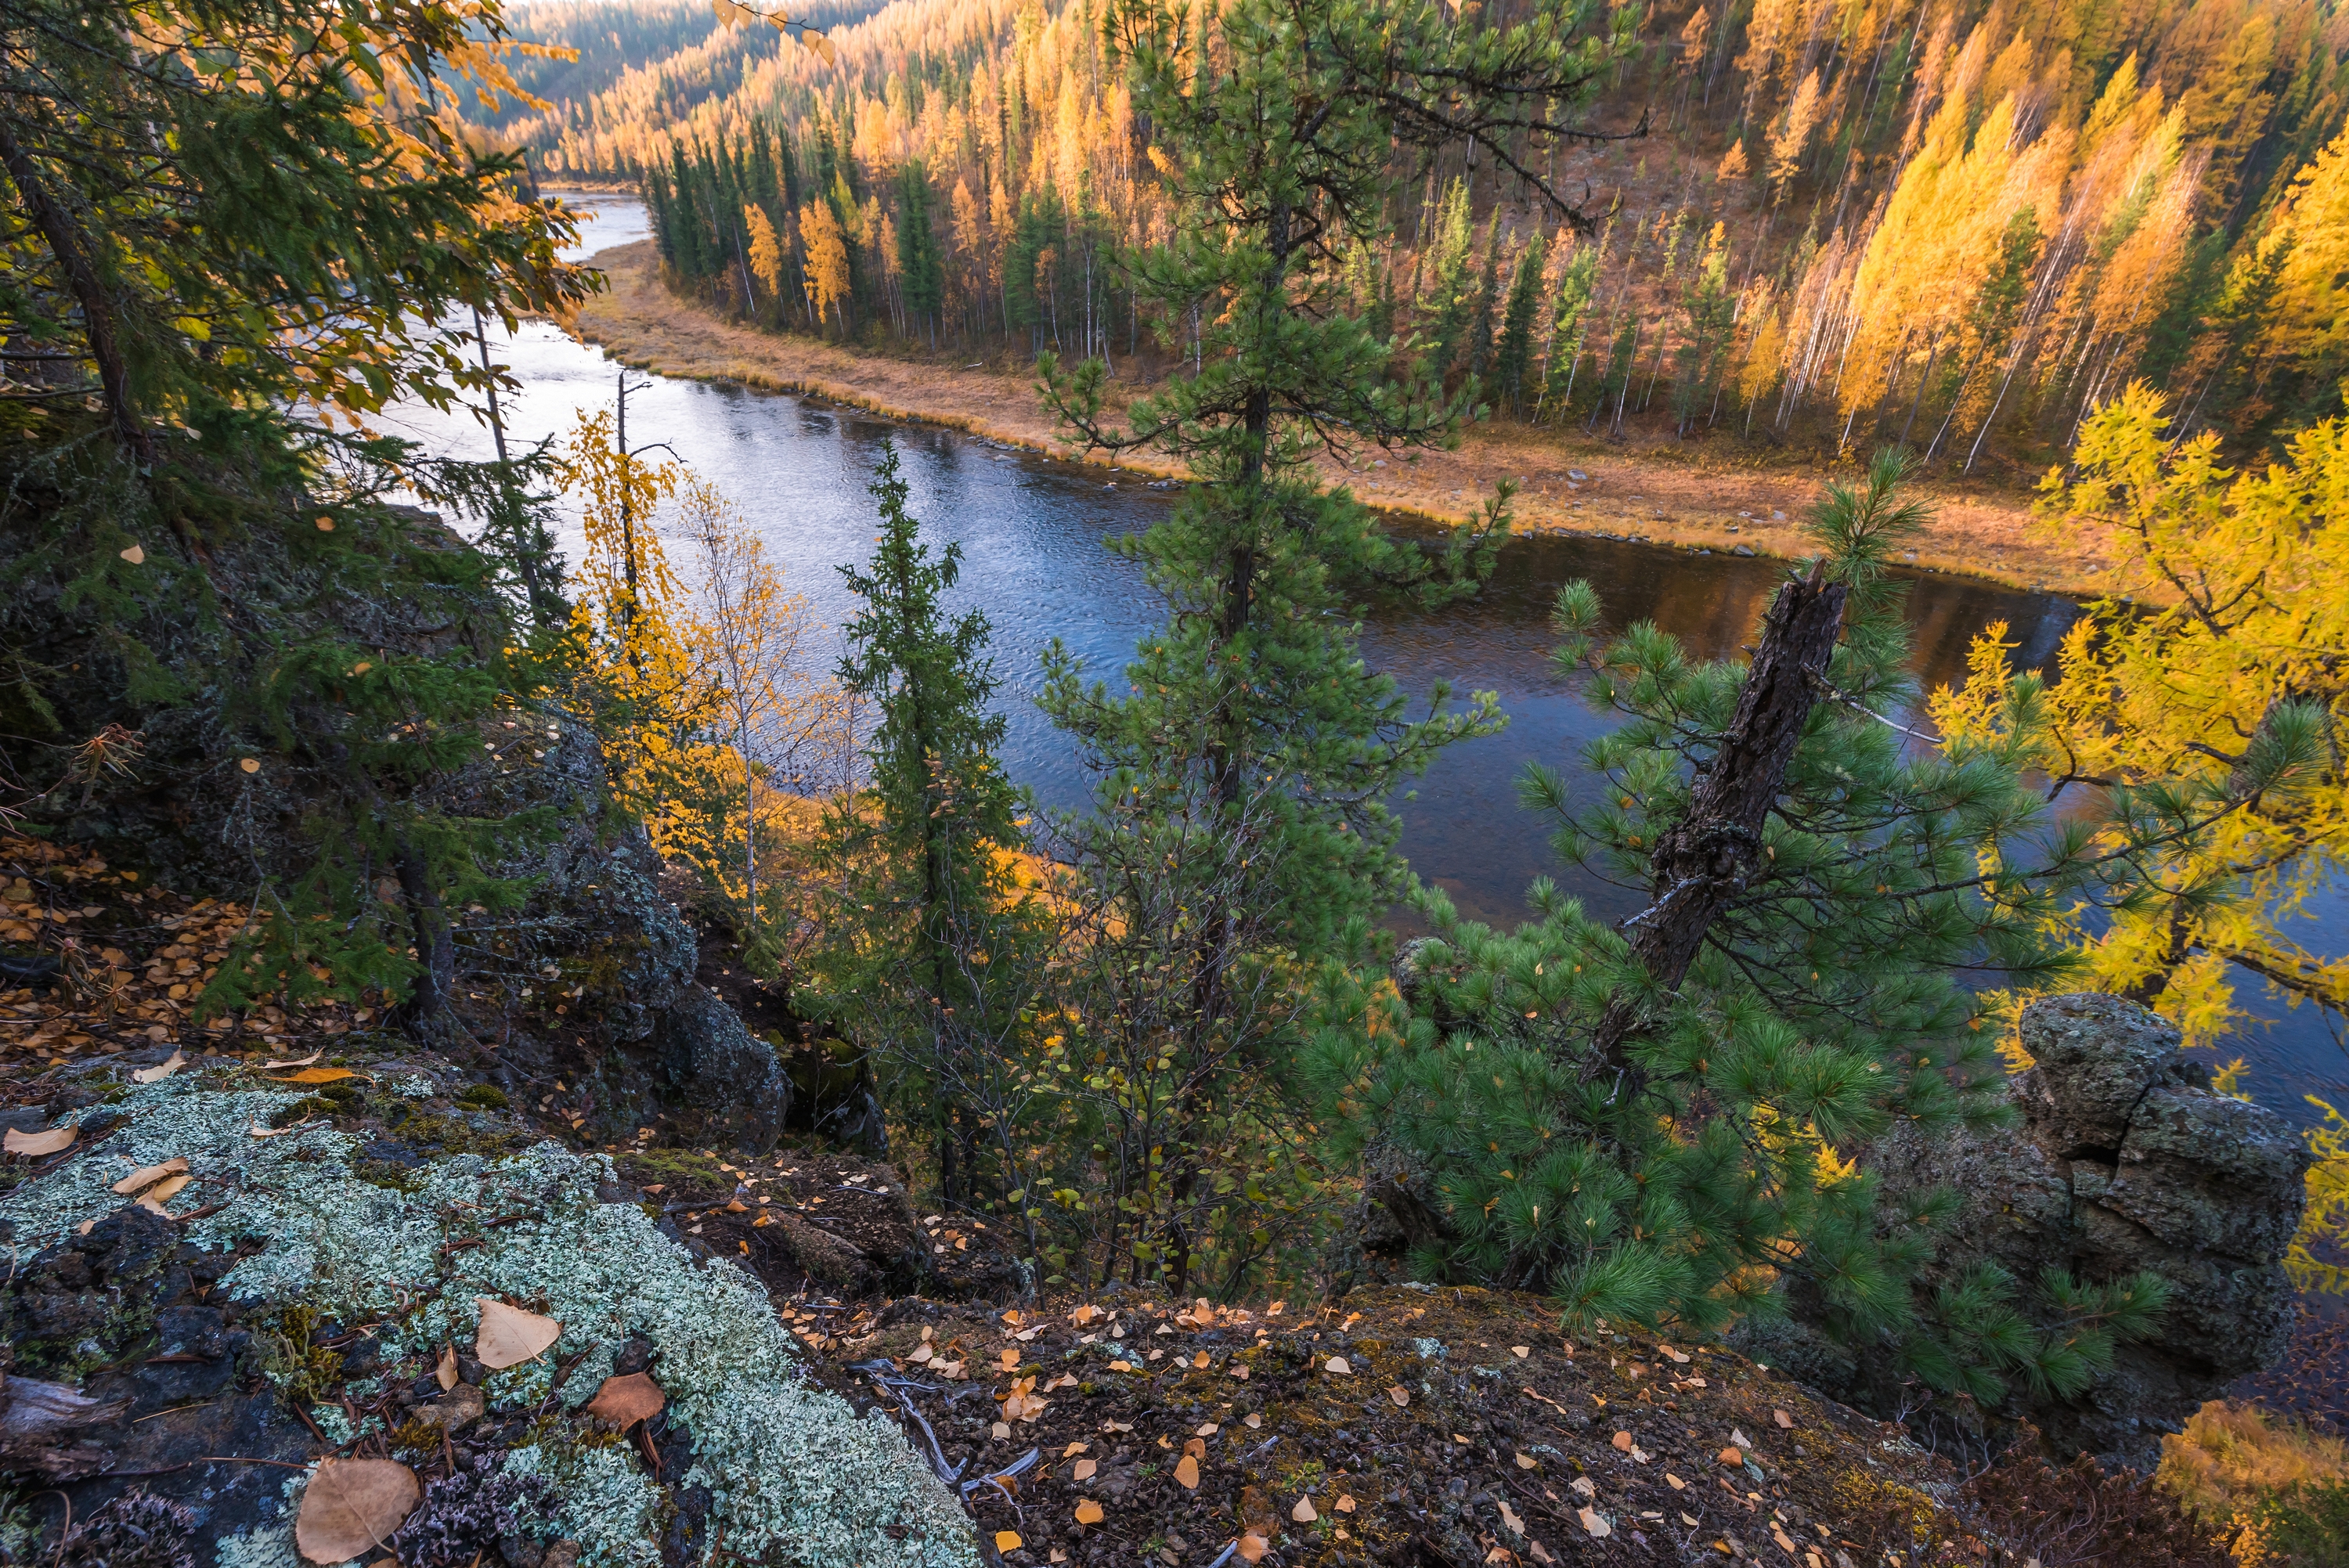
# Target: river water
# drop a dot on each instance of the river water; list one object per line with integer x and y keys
{"x": 1032, "y": 531}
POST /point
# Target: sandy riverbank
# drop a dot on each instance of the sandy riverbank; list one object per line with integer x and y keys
{"x": 1688, "y": 501}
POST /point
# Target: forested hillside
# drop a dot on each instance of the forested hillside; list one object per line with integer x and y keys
{"x": 1954, "y": 223}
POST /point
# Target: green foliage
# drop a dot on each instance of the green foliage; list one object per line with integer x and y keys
{"x": 240, "y": 221}
{"x": 928, "y": 953}
{"x": 231, "y": 204}
{"x": 1823, "y": 1004}
{"x": 1240, "y": 840}
{"x": 1513, "y": 357}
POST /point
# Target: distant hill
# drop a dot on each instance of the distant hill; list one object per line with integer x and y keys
{"x": 1849, "y": 220}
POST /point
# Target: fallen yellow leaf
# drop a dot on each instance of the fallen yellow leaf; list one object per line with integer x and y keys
{"x": 317, "y": 1074}
{"x": 161, "y": 1070}
{"x": 155, "y": 1197}
{"x": 1187, "y": 1473}
{"x": 1006, "y": 1541}
{"x": 33, "y": 1145}
{"x": 1089, "y": 1511}
{"x": 1338, "y": 1364}
{"x": 351, "y": 1505}
{"x": 622, "y": 1402}
{"x": 509, "y": 1336}
{"x": 147, "y": 1175}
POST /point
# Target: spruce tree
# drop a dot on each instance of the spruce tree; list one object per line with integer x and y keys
{"x": 925, "y": 943}
{"x": 1476, "y": 354}
{"x": 1657, "y": 1120}
{"x": 232, "y": 255}
{"x": 1513, "y": 359}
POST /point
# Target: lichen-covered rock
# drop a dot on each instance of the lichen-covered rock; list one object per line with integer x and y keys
{"x": 770, "y": 1468}
{"x": 2124, "y": 1160}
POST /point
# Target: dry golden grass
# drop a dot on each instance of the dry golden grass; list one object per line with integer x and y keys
{"x": 1678, "y": 496}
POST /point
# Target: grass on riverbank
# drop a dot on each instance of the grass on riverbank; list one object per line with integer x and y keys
{"x": 1686, "y": 496}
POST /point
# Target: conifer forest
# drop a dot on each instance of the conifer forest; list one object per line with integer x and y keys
{"x": 526, "y": 812}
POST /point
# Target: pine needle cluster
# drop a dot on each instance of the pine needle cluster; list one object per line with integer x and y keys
{"x": 1673, "y": 1149}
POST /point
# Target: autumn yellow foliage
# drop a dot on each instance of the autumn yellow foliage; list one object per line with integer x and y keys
{"x": 2225, "y": 638}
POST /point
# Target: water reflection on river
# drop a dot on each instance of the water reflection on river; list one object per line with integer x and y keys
{"x": 1032, "y": 534}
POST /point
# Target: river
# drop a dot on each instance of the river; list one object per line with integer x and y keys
{"x": 1032, "y": 531}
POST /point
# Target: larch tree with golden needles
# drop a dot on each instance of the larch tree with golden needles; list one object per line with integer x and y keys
{"x": 2203, "y": 708}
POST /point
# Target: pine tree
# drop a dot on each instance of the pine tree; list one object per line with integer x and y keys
{"x": 1654, "y": 1121}
{"x": 922, "y": 956}
{"x": 1570, "y": 324}
{"x": 1255, "y": 750}
{"x": 1708, "y": 318}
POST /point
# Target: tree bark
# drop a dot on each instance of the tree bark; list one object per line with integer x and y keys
{"x": 63, "y": 237}
{"x": 1703, "y": 861}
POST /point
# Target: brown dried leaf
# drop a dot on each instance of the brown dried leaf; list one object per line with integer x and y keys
{"x": 1304, "y": 1512}
{"x": 1783, "y": 1418}
{"x": 1623, "y": 1441}
{"x": 1593, "y": 1523}
{"x": 445, "y": 1373}
{"x": 1083, "y": 1470}
{"x": 351, "y": 1505}
{"x": 162, "y": 1192}
{"x": 1400, "y": 1395}
{"x": 1187, "y": 1473}
{"x": 297, "y": 1061}
{"x": 260, "y": 1132}
{"x": 33, "y": 1145}
{"x": 147, "y": 1175}
{"x": 510, "y": 1337}
{"x": 625, "y": 1401}
{"x": 161, "y": 1070}
{"x": 1339, "y": 1365}
{"x": 1253, "y": 1547}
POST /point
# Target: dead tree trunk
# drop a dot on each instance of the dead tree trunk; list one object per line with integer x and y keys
{"x": 1703, "y": 861}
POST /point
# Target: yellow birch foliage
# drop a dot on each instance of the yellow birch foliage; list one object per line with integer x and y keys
{"x": 648, "y": 661}
{"x": 774, "y": 738}
{"x": 2232, "y": 618}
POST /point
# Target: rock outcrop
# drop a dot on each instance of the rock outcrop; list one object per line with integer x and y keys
{"x": 2124, "y": 1160}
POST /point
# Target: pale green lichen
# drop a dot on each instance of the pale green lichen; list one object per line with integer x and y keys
{"x": 794, "y": 1477}
{"x": 270, "y": 1544}
{"x": 606, "y": 1504}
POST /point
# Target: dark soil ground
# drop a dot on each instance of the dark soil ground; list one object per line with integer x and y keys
{"x": 1402, "y": 1426}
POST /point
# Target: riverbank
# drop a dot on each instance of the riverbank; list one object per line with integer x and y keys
{"x": 1687, "y": 501}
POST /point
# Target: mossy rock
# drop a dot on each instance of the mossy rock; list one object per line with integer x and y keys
{"x": 753, "y": 1453}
